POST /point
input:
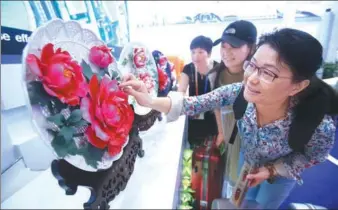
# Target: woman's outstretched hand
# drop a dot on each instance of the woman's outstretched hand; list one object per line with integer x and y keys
{"x": 136, "y": 88}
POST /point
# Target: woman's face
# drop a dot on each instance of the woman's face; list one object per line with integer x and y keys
{"x": 200, "y": 57}
{"x": 234, "y": 58}
{"x": 274, "y": 85}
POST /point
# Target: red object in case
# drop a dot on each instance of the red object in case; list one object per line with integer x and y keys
{"x": 207, "y": 174}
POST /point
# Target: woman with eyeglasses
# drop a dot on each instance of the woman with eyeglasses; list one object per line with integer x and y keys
{"x": 288, "y": 124}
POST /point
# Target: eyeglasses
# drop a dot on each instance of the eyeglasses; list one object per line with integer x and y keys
{"x": 264, "y": 74}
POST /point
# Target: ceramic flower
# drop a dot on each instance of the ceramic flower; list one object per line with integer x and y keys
{"x": 139, "y": 57}
{"x": 162, "y": 61}
{"x": 162, "y": 79}
{"x": 147, "y": 79}
{"x": 101, "y": 56}
{"x": 164, "y": 73}
{"x": 60, "y": 75}
{"x": 107, "y": 110}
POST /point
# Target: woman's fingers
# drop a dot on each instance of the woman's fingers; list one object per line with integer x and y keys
{"x": 134, "y": 84}
{"x": 128, "y": 77}
{"x": 131, "y": 91}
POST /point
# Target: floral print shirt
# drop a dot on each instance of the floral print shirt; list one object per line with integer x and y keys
{"x": 268, "y": 143}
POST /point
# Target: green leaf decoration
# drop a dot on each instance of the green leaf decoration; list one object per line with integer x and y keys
{"x": 187, "y": 154}
{"x": 191, "y": 190}
{"x": 185, "y": 207}
{"x": 75, "y": 116}
{"x": 72, "y": 148}
{"x": 58, "y": 119}
{"x": 115, "y": 75}
{"x": 38, "y": 95}
{"x": 186, "y": 164}
{"x": 60, "y": 147}
{"x": 91, "y": 154}
{"x": 87, "y": 71}
{"x": 64, "y": 148}
{"x": 67, "y": 133}
{"x": 104, "y": 70}
{"x": 101, "y": 74}
{"x": 149, "y": 62}
{"x": 51, "y": 132}
{"x": 186, "y": 197}
{"x": 80, "y": 123}
{"x": 124, "y": 62}
{"x": 131, "y": 57}
{"x": 59, "y": 140}
{"x": 186, "y": 191}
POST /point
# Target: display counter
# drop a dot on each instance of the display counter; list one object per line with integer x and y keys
{"x": 153, "y": 184}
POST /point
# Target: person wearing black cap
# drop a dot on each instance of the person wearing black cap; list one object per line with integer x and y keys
{"x": 237, "y": 45}
{"x": 194, "y": 76}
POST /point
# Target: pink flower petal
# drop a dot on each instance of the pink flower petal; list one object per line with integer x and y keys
{"x": 94, "y": 87}
{"x": 103, "y": 92}
{"x": 82, "y": 89}
{"x": 72, "y": 100}
{"x": 98, "y": 114}
{"x": 33, "y": 64}
{"x": 111, "y": 115}
{"x": 94, "y": 140}
{"x": 47, "y": 52}
{"x": 49, "y": 91}
{"x": 100, "y": 133}
{"x": 59, "y": 77}
{"x": 84, "y": 107}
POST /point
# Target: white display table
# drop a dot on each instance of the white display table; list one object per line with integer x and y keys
{"x": 153, "y": 184}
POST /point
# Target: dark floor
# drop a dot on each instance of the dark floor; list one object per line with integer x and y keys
{"x": 320, "y": 185}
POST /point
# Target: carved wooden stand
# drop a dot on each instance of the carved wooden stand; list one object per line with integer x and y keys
{"x": 104, "y": 185}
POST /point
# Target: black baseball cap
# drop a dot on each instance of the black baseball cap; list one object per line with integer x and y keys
{"x": 238, "y": 33}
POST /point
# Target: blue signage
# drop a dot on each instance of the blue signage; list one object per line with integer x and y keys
{"x": 13, "y": 41}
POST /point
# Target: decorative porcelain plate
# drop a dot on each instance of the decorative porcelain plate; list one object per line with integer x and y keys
{"x": 164, "y": 73}
{"x": 59, "y": 62}
{"x": 136, "y": 58}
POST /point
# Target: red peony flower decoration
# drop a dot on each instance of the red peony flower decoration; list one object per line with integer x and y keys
{"x": 163, "y": 62}
{"x": 60, "y": 75}
{"x": 162, "y": 79}
{"x": 101, "y": 56}
{"x": 109, "y": 113}
{"x": 148, "y": 80}
{"x": 140, "y": 58}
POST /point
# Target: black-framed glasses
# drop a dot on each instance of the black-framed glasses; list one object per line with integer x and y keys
{"x": 263, "y": 73}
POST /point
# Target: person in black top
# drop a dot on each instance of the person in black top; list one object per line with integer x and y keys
{"x": 194, "y": 76}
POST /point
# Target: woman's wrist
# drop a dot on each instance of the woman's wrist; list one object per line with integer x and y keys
{"x": 161, "y": 104}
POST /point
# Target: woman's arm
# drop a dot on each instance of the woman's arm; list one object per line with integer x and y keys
{"x": 184, "y": 83}
{"x": 176, "y": 104}
{"x": 220, "y": 136}
{"x": 316, "y": 151}
{"x": 193, "y": 105}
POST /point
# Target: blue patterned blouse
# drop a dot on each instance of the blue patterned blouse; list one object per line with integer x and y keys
{"x": 264, "y": 144}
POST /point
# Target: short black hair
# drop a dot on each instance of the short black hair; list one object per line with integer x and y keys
{"x": 299, "y": 50}
{"x": 202, "y": 42}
